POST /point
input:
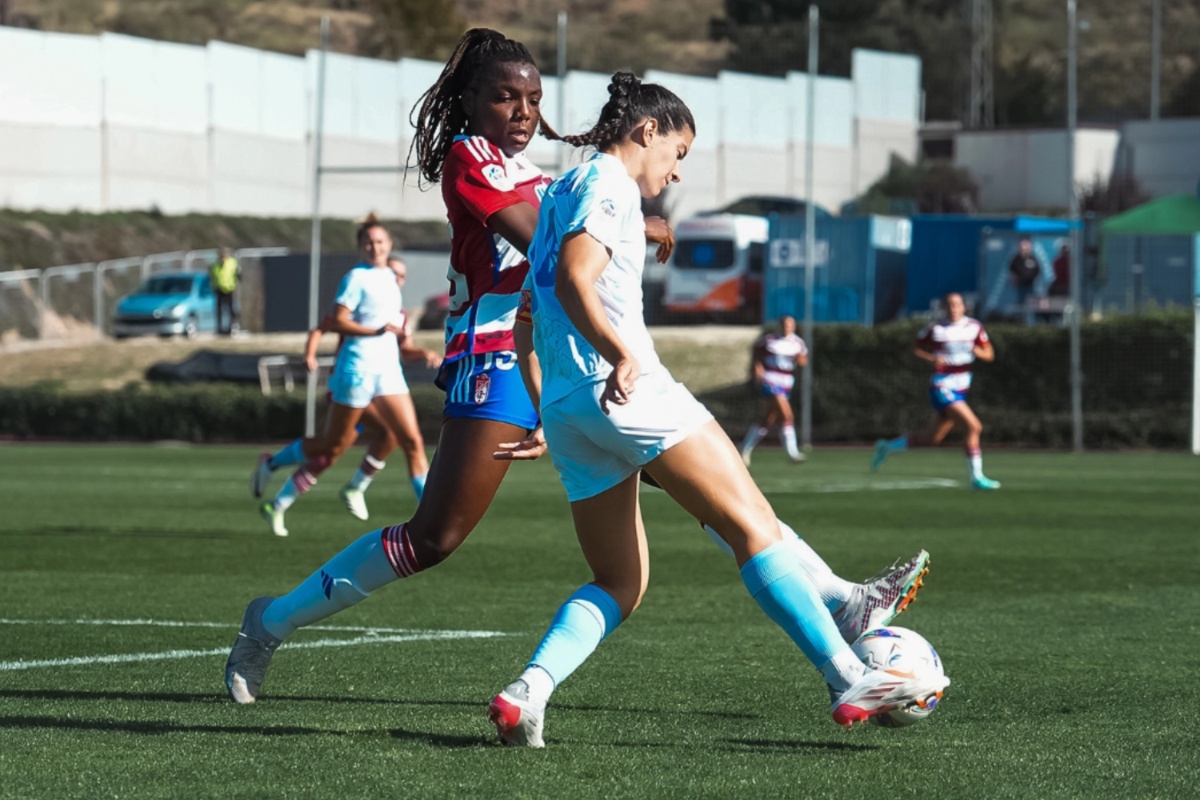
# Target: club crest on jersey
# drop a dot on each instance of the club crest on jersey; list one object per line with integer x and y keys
{"x": 497, "y": 177}
{"x": 608, "y": 207}
{"x": 483, "y": 385}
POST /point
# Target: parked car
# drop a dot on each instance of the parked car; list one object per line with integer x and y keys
{"x": 167, "y": 304}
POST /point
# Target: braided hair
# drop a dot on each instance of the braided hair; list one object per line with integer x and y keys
{"x": 630, "y": 102}
{"x": 438, "y": 114}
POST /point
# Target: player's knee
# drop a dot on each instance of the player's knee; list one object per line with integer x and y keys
{"x": 433, "y": 547}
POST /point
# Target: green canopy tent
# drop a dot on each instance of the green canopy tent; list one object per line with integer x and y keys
{"x": 1177, "y": 215}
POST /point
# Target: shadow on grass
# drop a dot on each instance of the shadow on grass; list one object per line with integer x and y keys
{"x": 158, "y": 728}
{"x": 786, "y": 746}
{"x": 221, "y": 699}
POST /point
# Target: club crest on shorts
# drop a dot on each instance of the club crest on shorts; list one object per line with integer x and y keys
{"x": 483, "y": 385}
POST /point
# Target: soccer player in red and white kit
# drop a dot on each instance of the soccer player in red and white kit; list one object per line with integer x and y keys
{"x": 952, "y": 345}
{"x": 775, "y": 359}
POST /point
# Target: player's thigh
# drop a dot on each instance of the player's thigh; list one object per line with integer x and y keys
{"x": 781, "y": 406}
{"x": 463, "y": 477}
{"x": 399, "y": 415}
{"x": 340, "y": 432}
{"x": 963, "y": 416}
{"x": 704, "y": 474}
{"x": 613, "y": 541}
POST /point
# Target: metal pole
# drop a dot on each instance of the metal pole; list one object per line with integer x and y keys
{"x": 810, "y": 229}
{"x": 1076, "y": 279}
{"x": 314, "y": 257}
{"x": 1155, "y": 56}
{"x": 562, "y": 88}
{"x": 1196, "y": 364}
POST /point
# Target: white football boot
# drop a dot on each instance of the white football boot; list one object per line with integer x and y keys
{"x": 518, "y": 721}
{"x": 875, "y": 603}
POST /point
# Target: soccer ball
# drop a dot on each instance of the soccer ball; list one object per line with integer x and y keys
{"x": 904, "y": 651}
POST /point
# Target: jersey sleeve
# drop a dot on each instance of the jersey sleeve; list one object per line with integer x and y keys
{"x": 600, "y": 211}
{"x": 925, "y": 337}
{"x": 981, "y": 338}
{"x": 475, "y": 173}
{"x": 350, "y": 291}
{"x": 802, "y": 352}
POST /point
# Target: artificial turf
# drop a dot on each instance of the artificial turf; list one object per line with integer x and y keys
{"x": 1064, "y": 606}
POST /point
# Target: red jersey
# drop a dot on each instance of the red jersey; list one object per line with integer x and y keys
{"x": 486, "y": 271}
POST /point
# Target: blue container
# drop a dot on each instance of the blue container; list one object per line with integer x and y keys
{"x": 949, "y": 253}
{"x": 859, "y": 272}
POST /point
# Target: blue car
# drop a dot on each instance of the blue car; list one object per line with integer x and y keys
{"x": 167, "y": 304}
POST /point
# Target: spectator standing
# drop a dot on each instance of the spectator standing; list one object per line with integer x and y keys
{"x": 1023, "y": 271}
{"x": 1061, "y": 287}
{"x": 224, "y": 274}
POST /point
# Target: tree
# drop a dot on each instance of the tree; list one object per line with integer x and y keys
{"x": 928, "y": 187}
{"x": 413, "y": 28}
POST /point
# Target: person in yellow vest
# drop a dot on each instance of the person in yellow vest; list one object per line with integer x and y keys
{"x": 224, "y": 273}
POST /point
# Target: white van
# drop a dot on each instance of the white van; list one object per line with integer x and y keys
{"x": 716, "y": 271}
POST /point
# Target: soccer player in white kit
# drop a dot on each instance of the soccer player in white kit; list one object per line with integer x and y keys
{"x": 367, "y": 310}
{"x": 775, "y": 358}
{"x": 951, "y": 345}
{"x": 610, "y": 409}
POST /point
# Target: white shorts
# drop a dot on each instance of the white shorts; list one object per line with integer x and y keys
{"x": 594, "y": 451}
{"x": 358, "y": 389}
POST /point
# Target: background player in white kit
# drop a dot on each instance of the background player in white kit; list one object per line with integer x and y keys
{"x": 367, "y": 310}
{"x": 951, "y": 345}
{"x": 610, "y": 409}
{"x": 774, "y": 361}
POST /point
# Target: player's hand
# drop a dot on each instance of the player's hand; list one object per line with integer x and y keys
{"x": 939, "y": 361}
{"x": 529, "y": 448}
{"x": 659, "y": 231}
{"x": 391, "y": 327}
{"x": 432, "y": 359}
{"x": 620, "y": 383}
{"x": 310, "y": 363}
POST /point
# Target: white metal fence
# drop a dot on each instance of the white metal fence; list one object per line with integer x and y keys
{"x": 76, "y": 301}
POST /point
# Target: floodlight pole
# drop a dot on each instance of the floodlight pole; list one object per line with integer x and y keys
{"x": 562, "y": 88}
{"x": 1076, "y": 256}
{"x": 1155, "y": 57}
{"x": 810, "y": 230}
{"x": 314, "y": 256}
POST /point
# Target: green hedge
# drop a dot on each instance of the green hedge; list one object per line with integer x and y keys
{"x": 867, "y": 384}
{"x": 190, "y": 413}
{"x": 1137, "y": 387}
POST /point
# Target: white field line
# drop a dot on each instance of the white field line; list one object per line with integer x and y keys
{"x": 169, "y": 655}
{"x": 167, "y": 623}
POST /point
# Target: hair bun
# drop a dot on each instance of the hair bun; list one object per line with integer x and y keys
{"x": 369, "y": 219}
{"x": 623, "y": 83}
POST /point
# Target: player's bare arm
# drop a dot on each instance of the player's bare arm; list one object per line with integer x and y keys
{"x": 984, "y": 352}
{"x": 659, "y": 231}
{"x": 516, "y": 224}
{"x": 581, "y": 260}
{"x": 533, "y": 445}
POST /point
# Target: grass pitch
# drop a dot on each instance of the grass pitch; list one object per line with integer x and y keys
{"x": 1064, "y": 606}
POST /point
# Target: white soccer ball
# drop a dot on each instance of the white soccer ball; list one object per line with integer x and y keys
{"x": 902, "y": 651}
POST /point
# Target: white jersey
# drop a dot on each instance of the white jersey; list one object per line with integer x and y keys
{"x": 600, "y": 198}
{"x": 779, "y": 356}
{"x": 374, "y": 300}
{"x": 954, "y": 343}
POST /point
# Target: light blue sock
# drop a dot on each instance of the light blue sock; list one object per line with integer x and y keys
{"x": 776, "y": 581}
{"x": 580, "y": 625}
{"x": 418, "y": 484}
{"x": 292, "y": 454}
{"x": 345, "y": 580}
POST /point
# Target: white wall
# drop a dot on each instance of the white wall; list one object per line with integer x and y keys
{"x": 1163, "y": 155}
{"x": 1022, "y": 170}
{"x": 116, "y": 122}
